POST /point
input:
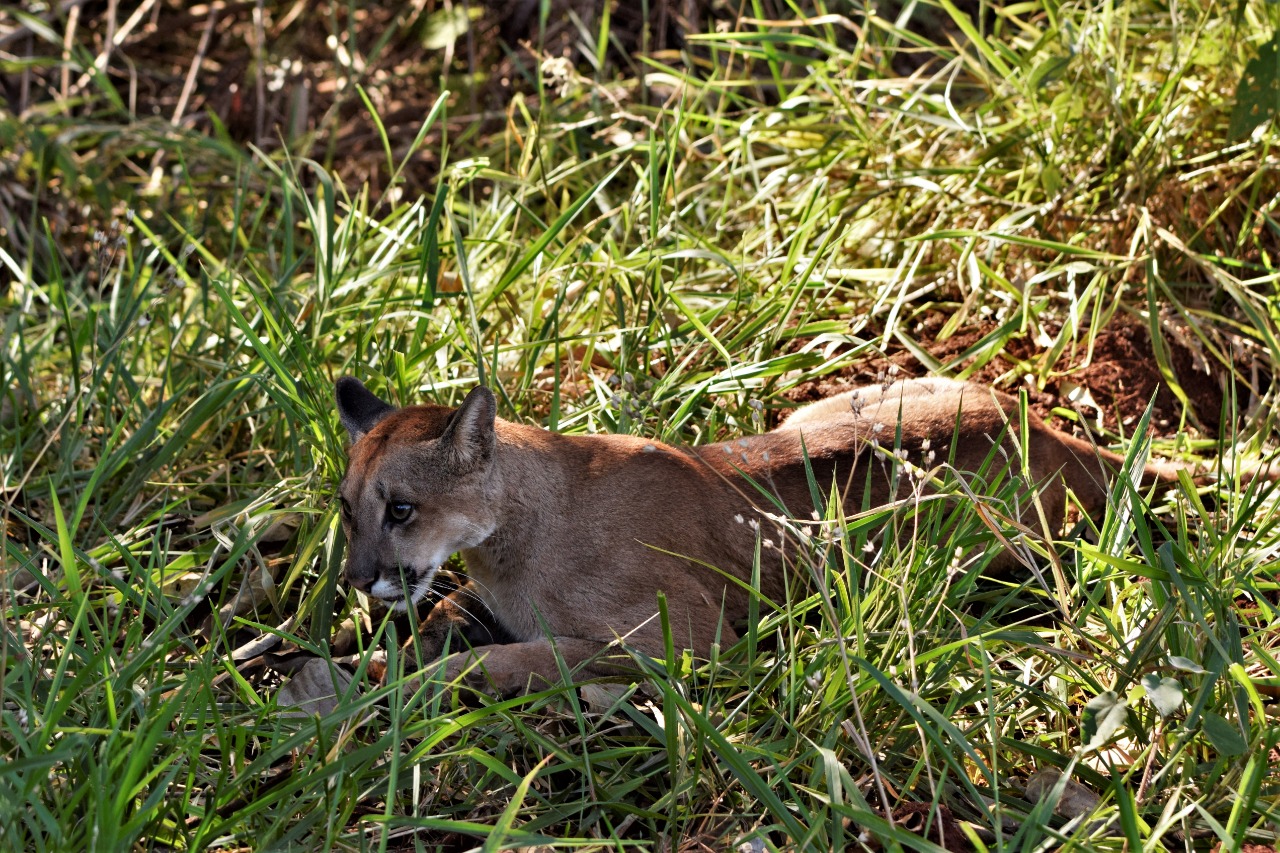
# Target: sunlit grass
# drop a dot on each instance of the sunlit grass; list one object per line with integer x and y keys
{"x": 787, "y": 201}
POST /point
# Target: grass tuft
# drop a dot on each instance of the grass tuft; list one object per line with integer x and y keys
{"x": 678, "y": 238}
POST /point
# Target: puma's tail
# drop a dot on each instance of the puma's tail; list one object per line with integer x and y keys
{"x": 1246, "y": 471}
{"x": 1091, "y": 472}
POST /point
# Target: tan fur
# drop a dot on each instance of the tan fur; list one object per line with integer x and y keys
{"x": 575, "y": 536}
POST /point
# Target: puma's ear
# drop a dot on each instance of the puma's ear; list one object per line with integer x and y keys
{"x": 358, "y": 409}
{"x": 470, "y": 432}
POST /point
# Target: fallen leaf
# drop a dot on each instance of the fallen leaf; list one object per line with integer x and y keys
{"x": 599, "y": 698}
{"x": 314, "y": 690}
{"x": 281, "y": 530}
{"x": 1076, "y": 799}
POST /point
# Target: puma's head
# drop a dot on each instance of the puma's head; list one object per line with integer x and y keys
{"x": 414, "y": 492}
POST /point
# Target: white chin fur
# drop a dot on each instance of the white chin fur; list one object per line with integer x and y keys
{"x": 393, "y": 594}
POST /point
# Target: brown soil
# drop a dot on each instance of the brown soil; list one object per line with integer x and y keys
{"x": 279, "y": 74}
{"x": 288, "y": 72}
{"x": 285, "y": 74}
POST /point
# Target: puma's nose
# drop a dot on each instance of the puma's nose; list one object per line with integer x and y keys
{"x": 363, "y": 582}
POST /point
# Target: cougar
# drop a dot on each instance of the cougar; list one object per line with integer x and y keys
{"x": 569, "y": 539}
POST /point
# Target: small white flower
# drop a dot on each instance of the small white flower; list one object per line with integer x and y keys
{"x": 738, "y": 518}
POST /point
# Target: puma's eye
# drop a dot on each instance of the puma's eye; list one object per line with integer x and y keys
{"x": 346, "y": 508}
{"x": 399, "y": 511}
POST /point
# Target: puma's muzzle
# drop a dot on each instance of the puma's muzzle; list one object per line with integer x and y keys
{"x": 398, "y": 587}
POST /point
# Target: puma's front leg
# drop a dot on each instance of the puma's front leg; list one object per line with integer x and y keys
{"x": 522, "y": 667}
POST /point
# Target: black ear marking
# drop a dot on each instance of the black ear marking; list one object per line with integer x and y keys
{"x": 359, "y": 409}
{"x": 470, "y": 432}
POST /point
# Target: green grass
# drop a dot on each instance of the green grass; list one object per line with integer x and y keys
{"x": 786, "y": 203}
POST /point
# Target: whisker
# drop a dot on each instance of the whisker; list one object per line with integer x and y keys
{"x": 469, "y": 614}
{"x": 479, "y": 585}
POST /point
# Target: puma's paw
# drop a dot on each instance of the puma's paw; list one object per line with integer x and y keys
{"x": 467, "y": 669}
{"x": 494, "y": 671}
